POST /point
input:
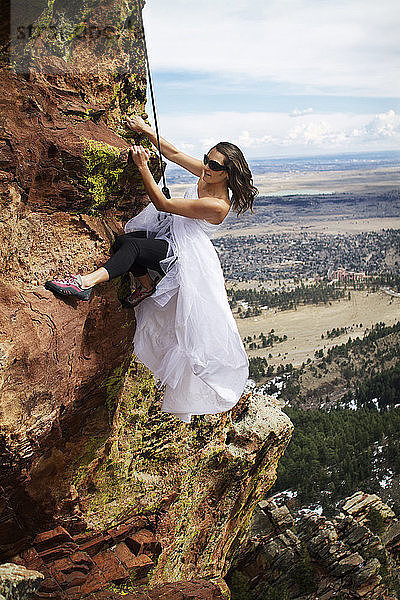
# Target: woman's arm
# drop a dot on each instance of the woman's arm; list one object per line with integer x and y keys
{"x": 211, "y": 209}
{"x": 167, "y": 149}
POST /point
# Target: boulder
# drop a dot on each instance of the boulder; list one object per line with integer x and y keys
{"x": 17, "y": 582}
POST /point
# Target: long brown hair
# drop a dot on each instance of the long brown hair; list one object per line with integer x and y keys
{"x": 240, "y": 179}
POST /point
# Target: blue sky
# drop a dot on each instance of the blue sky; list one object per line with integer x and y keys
{"x": 277, "y": 77}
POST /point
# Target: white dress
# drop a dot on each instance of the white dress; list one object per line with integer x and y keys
{"x": 186, "y": 334}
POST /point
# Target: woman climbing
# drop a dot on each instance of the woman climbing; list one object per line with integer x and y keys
{"x": 185, "y": 333}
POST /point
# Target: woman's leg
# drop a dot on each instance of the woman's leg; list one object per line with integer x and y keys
{"x": 101, "y": 275}
{"x": 98, "y": 276}
{"x": 131, "y": 253}
{"x": 145, "y": 280}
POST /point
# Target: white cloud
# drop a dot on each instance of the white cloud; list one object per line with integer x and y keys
{"x": 316, "y": 133}
{"x": 268, "y": 134}
{"x": 384, "y": 125}
{"x": 246, "y": 140}
{"x": 299, "y": 113}
{"x": 346, "y": 47}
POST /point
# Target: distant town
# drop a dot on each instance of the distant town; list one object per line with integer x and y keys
{"x": 340, "y": 257}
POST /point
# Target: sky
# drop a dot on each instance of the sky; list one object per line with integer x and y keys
{"x": 276, "y": 77}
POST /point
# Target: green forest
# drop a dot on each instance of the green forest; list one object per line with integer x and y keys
{"x": 333, "y": 454}
{"x": 316, "y": 293}
{"x": 353, "y": 362}
{"x": 286, "y": 299}
{"x": 337, "y": 451}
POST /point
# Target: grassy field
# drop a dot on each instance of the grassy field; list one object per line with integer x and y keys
{"x": 332, "y": 225}
{"x": 354, "y": 180}
{"x": 305, "y": 325}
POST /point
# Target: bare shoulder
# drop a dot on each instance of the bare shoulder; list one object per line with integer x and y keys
{"x": 209, "y": 208}
{"x": 220, "y": 205}
{"x": 221, "y": 209}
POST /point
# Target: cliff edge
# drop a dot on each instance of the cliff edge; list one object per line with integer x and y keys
{"x": 98, "y": 488}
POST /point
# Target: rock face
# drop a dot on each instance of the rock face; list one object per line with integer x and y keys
{"x": 160, "y": 501}
{"x": 19, "y": 583}
{"x": 64, "y": 193}
{"x": 354, "y": 556}
{"x": 84, "y": 566}
{"x": 97, "y": 487}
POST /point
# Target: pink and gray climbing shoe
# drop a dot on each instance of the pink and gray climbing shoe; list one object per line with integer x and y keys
{"x": 138, "y": 295}
{"x": 70, "y": 286}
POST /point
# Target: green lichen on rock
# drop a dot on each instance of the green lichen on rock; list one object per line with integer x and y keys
{"x": 42, "y": 24}
{"x": 91, "y": 448}
{"x": 155, "y": 464}
{"x": 105, "y": 28}
{"x": 107, "y": 177}
{"x": 122, "y": 478}
{"x": 103, "y": 172}
{"x": 113, "y": 385}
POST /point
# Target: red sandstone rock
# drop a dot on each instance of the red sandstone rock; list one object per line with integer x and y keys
{"x": 72, "y": 593}
{"x": 31, "y": 559}
{"x": 120, "y": 532}
{"x": 49, "y": 539}
{"x": 49, "y": 586}
{"x": 200, "y": 589}
{"x": 196, "y": 590}
{"x": 138, "y": 564}
{"x": 371, "y": 589}
{"x": 58, "y": 356}
{"x": 92, "y": 544}
{"x": 74, "y": 579}
{"x": 110, "y": 566}
{"x": 125, "y": 555}
{"x": 57, "y": 552}
{"x": 94, "y": 581}
{"x": 72, "y": 571}
{"x": 58, "y": 567}
{"x": 142, "y": 541}
{"x": 138, "y": 522}
{"x": 82, "y": 559}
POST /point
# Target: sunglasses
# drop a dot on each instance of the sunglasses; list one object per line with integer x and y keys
{"x": 213, "y": 164}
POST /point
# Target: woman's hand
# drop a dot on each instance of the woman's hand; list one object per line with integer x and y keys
{"x": 137, "y": 124}
{"x": 140, "y": 155}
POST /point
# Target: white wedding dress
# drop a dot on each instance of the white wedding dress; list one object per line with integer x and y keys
{"x": 186, "y": 334}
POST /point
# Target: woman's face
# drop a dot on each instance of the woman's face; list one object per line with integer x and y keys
{"x": 210, "y": 176}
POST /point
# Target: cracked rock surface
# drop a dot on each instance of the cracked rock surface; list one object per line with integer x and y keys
{"x": 313, "y": 558}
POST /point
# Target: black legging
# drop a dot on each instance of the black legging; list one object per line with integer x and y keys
{"x": 136, "y": 253}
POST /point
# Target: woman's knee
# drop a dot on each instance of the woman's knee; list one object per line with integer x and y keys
{"x": 117, "y": 243}
{"x": 122, "y": 240}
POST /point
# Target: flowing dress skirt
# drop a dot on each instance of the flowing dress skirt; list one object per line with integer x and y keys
{"x": 186, "y": 334}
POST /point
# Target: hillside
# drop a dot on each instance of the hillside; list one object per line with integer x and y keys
{"x": 350, "y": 556}
{"x": 345, "y": 408}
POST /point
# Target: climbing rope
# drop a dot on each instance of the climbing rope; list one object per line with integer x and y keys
{"x": 165, "y": 190}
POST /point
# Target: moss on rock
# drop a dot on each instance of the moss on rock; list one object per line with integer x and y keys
{"x": 200, "y": 488}
{"x": 103, "y": 172}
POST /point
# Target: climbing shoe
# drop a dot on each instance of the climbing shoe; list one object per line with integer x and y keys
{"x": 138, "y": 295}
{"x": 70, "y": 286}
